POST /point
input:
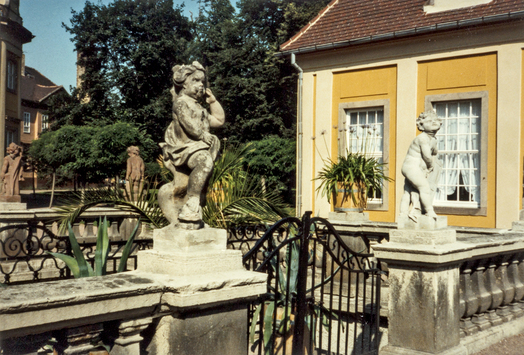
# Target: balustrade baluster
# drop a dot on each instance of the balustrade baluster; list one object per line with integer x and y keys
{"x": 497, "y": 296}
{"x": 514, "y": 278}
{"x": 82, "y": 340}
{"x": 508, "y": 289}
{"x": 128, "y": 342}
{"x": 479, "y": 281}
{"x": 469, "y": 301}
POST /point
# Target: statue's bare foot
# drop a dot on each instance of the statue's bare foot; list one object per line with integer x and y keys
{"x": 191, "y": 211}
{"x": 414, "y": 214}
{"x": 432, "y": 214}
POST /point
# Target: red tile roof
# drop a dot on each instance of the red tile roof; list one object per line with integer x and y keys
{"x": 345, "y": 21}
{"x": 36, "y": 87}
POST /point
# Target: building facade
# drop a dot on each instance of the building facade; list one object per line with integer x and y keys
{"x": 13, "y": 35}
{"x": 370, "y": 67}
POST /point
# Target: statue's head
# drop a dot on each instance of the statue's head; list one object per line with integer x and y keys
{"x": 13, "y": 148}
{"x": 133, "y": 150}
{"x": 428, "y": 116}
{"x": 189, "y": 78}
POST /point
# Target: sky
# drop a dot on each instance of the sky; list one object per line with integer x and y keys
{"x": 51, "y": 52}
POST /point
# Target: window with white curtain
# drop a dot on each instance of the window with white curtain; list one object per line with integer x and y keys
{"x": 45, "y": 122}
{"x": 459, "y": 145}
{"x": 27, "y": 122}
{"x": 365, "y": 134}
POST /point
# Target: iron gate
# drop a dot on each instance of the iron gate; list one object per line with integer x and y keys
{"x": 322, "y": 296}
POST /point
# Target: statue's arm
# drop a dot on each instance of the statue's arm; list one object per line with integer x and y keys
{"x": 190, "y": 125}
{"x": 128, "y": 170}
{"x": 217, "y": 116}
{"x": 426, "y": 151}
{"x": 5, "y": 168}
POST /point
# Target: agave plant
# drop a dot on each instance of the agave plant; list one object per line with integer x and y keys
{"x": 78, "y": 264}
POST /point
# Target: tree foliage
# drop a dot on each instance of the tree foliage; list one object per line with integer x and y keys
{"x": 127, "y": 49}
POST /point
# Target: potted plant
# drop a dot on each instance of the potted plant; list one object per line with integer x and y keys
{"x": 350, "y": 180}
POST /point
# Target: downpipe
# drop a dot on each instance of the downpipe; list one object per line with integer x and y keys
{"x": 300, "y": 135}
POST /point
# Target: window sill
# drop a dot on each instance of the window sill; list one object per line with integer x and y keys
{"x": 463, "y": 211}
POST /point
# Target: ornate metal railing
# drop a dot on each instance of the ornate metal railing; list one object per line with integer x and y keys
{"x": 24, "y": 248}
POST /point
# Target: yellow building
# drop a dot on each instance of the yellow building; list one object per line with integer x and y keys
{"x": 371, "y": 66}
{"x": 12, "y": 36}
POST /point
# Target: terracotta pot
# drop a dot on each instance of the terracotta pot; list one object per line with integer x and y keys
{"x": 343, "y": 202}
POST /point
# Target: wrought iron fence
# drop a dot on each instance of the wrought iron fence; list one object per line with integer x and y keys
{"x": 322, "y": 297}
{"x": 24, "y": 251}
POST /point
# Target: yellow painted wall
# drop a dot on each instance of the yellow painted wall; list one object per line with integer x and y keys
{"x": 467, "y": 74}
{"x": 365, "y": 85}
{"x": 521, "y": 194}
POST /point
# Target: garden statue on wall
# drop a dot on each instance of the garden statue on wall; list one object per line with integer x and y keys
{"x": 189, "y": 149}
{"x": 11, "y": 174}
{"x": 421, "y": 169}
{"x": 135, "y": 172}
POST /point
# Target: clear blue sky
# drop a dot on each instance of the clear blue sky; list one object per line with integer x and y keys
{"x": 51, "y": 52}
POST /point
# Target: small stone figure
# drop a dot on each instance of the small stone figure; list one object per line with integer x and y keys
{"x": 421, "y": 169}
{"x": 189, "y": 150}
{"x": 11, "y": 171}
{"x": 135, "y": 172}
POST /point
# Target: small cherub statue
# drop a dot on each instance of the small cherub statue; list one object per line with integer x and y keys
{"x": 421, "y": 169}
{"x": 135, "y": 172}
{"x": 11, "y": 170}
{"x": 189, "y": 150}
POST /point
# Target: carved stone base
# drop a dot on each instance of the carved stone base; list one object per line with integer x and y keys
{"x": 422, "y": 223}
{"x": 505, "y": 313}
{"x": 467, "y": 327}
{"x": 423, "y": 237}
{"x": 481, "y": 321}
{"x": 494, "y": 318}
{"x": 182, "y": 252}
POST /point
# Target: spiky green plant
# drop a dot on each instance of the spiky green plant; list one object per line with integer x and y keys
{"x": 233, "y": 197}
{"x": 352, "y": 172}
{"x": 78, "y": 264}
{"x": 145, "y": 205}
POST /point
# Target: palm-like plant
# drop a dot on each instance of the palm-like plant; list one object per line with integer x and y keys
{"x": 233, "y": 197}
{"x": 356, "y": 174}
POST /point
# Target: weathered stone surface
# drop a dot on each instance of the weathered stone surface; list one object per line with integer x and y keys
{"x": 393, "y": 350}
{"x": 423, "y": 237}
{"x": 349, "y": 216}
{"x": 173, "y": 239}
{"x": 423, "y": 222}
{"x": 216, "y": 331}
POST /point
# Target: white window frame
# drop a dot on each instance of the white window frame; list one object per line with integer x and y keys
{"x": 378, "y": 204}
{"x": 45, "y": 122}
{"x": 27, "y": 122}
{"x": 12, "y": 75}
{"x": 458, "y": 207}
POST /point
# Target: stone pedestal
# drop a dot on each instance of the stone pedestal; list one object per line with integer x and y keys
{"x": 349, "y": 216}
{"x": 209, "y": 315}
{"x": 519, "y": 225}
{"x": 423, "y": 289}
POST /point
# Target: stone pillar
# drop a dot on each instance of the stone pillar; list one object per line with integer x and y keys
{"x": 424, "y": 314}
{"x": 208, "y": 315}
{"x": 128, "y": 342}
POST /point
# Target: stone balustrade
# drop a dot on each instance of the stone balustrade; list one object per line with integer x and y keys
{"x": 492, "y": 283}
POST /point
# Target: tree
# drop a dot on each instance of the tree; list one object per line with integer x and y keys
{"x": 90, "y": 152}
{"x": 127, "y": 50}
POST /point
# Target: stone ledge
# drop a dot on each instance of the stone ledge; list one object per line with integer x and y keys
{"x": 33, "y": 308}
{"x": 393, "y": 350}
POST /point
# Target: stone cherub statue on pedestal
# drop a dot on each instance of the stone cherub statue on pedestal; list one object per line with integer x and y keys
{"x": 134, "y": 173}
{"x": 421, "y": 169}
{"x": 189, "y": 149}
{"x": 11, "y": 174}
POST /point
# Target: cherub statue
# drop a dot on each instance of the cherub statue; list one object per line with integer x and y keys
{"x": 134, "y": 172}
{"x": 189, "y": 149}
{"x": 11, "y": 171}
{"x": 421, "y": 169}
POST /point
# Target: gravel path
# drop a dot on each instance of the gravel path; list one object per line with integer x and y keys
{"x": 509, "y": 346}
